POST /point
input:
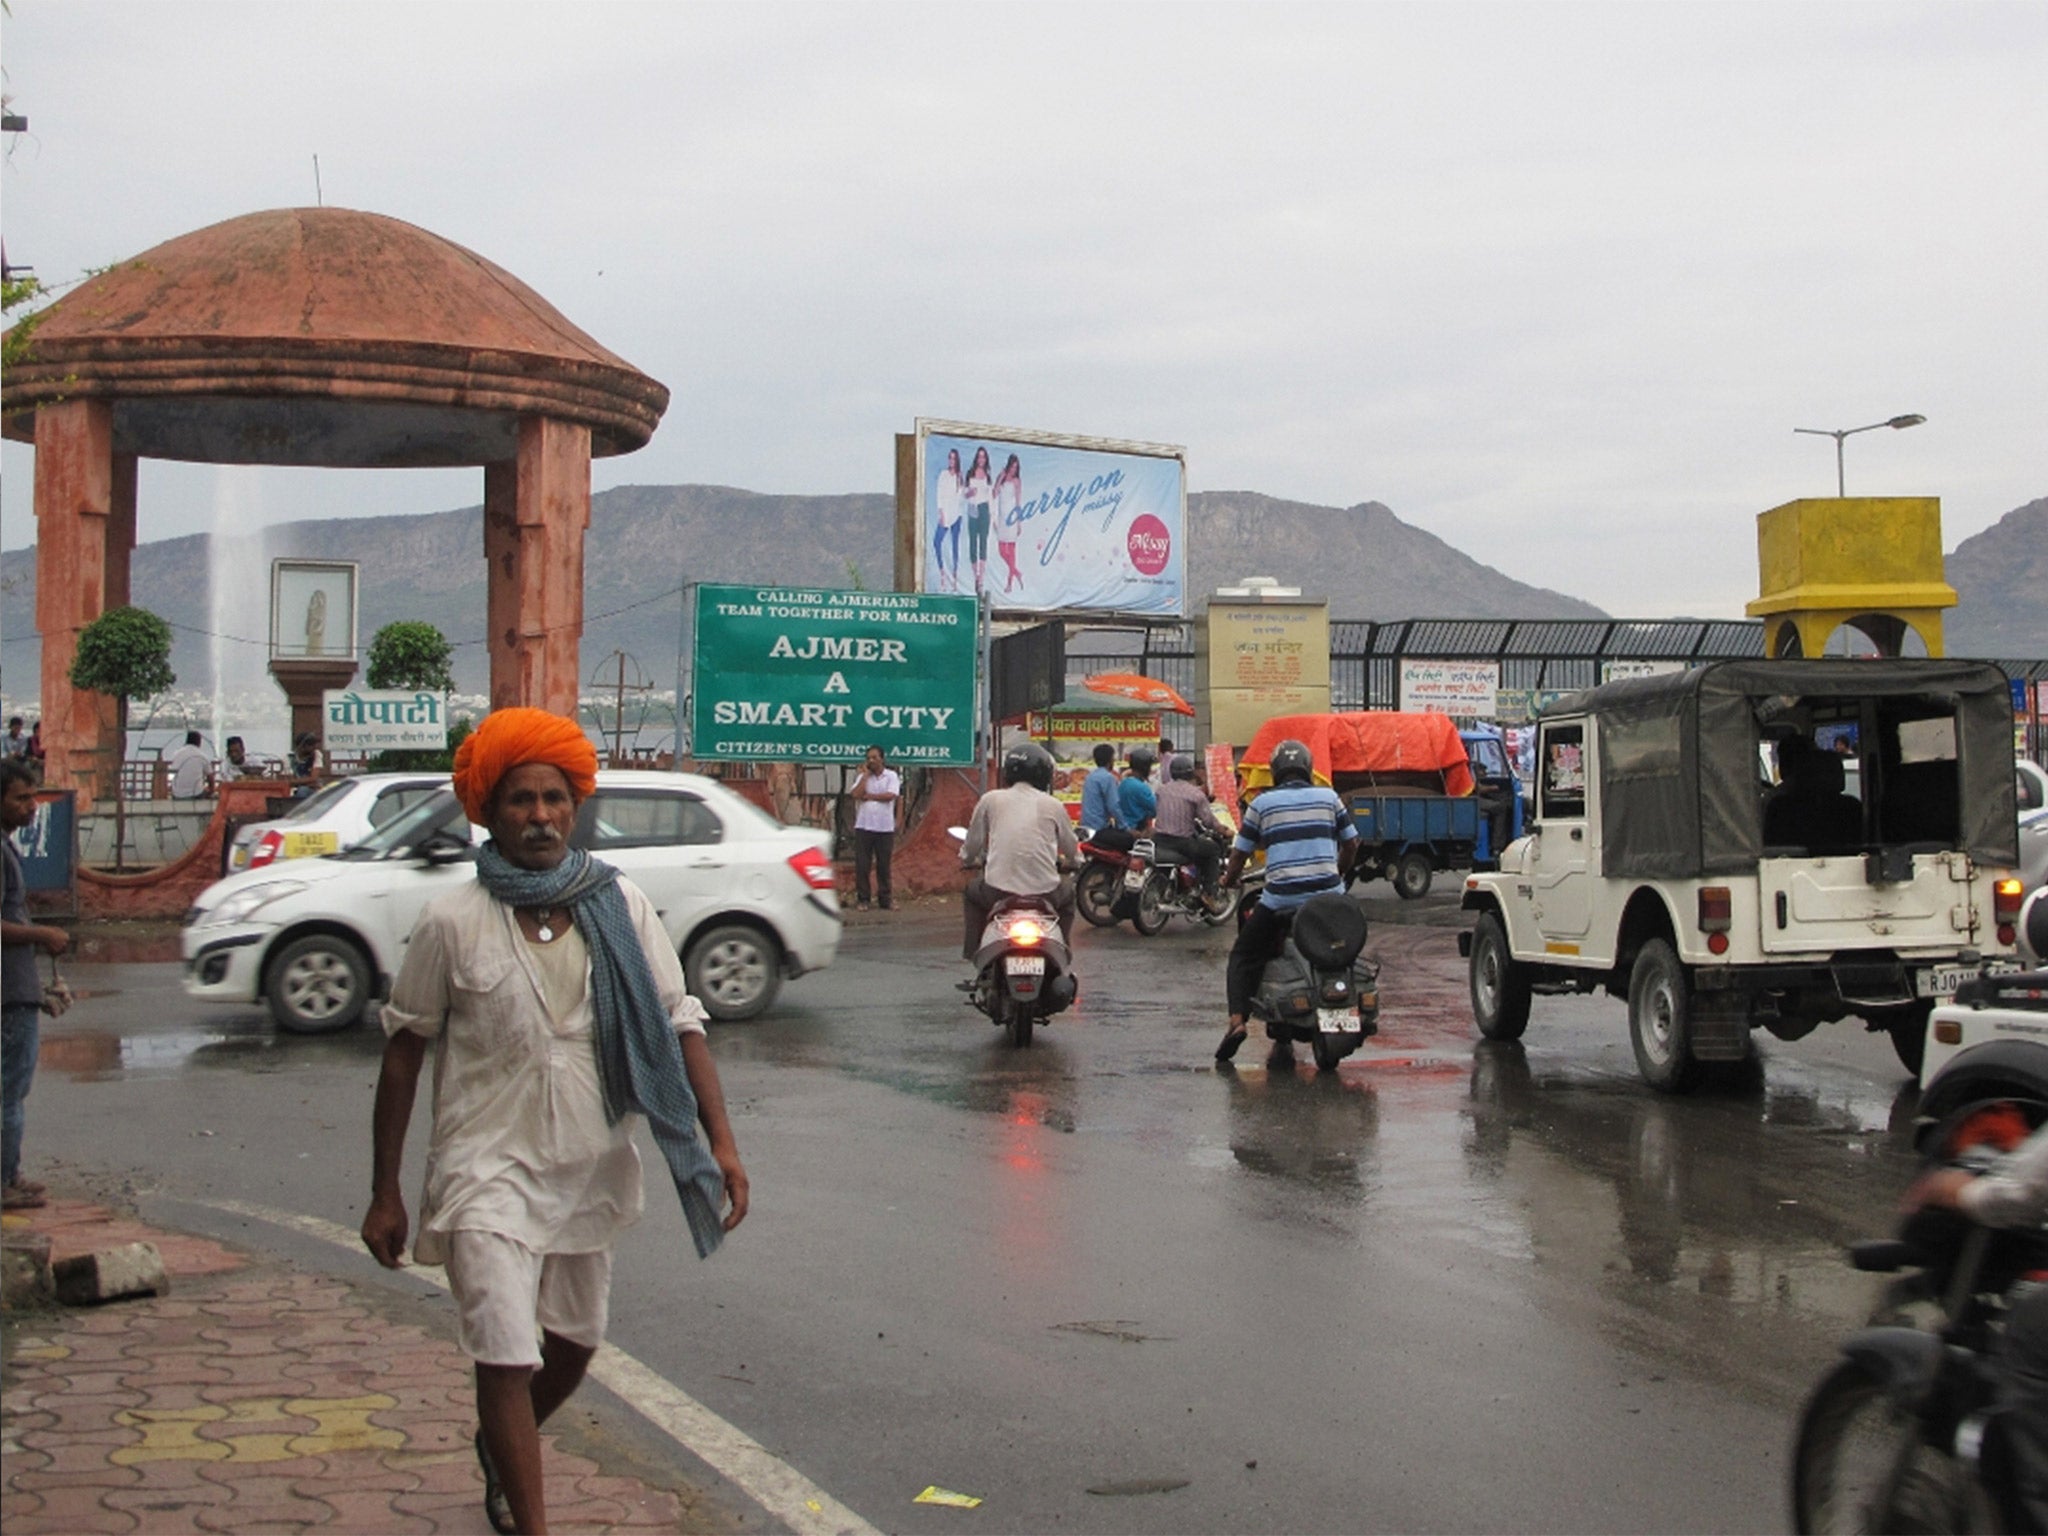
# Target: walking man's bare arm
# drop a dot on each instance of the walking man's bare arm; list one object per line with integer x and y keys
{"x": 703, "y": 1075}
{"x": 385, "y": 1227}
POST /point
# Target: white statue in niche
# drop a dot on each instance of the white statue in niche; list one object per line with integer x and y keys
{"x": 316, "y": 623}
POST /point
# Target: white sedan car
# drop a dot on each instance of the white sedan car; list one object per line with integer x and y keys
{"x": 335, "y": 816}
{"x": 746, "y": 900}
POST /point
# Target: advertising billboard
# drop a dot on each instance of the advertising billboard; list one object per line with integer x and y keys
{"x": 1044, "y": 523}
{"x": 802, "y": 675}
{"x": 1469, "y": 688}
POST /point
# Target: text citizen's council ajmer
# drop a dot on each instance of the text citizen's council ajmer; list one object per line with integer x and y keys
{"x": 872, "y": 608}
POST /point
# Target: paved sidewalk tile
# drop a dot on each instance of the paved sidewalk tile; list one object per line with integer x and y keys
{"x": 259, "y": 1398}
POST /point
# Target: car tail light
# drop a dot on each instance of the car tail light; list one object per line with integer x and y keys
{"x": 814, "y": 869}
{"x": 1717, "y": 916}
{"x": 1026, "y": 932}
{"x": 267, "y": 848}
{"x": 2005, "y": 908}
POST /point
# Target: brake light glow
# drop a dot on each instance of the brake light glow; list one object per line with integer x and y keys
{"x": 1024, "y": 931}
{"x": 813, "y": 868}
{"x": 267, "y": 848}
{"x": 2005, "y": 908}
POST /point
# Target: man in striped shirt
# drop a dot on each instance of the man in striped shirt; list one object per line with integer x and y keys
{"x": 1309, "y": 842}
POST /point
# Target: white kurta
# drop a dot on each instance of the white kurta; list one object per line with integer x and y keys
{"x": 520, "y": 1145}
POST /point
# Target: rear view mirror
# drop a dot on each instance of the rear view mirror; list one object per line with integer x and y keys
{"x": 442, "y": 847}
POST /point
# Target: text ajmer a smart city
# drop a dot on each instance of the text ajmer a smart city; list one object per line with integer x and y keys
{"x": 819, "y": 676}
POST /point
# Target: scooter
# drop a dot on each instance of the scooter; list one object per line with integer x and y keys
{"x": 1022, "y": 972}
{"x": 1908, "y": 1431}
{"x": 1320, "y": 987}
{"x": 1166, "y": 889}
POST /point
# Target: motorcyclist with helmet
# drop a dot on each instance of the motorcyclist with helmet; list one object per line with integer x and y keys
{"x": 1183, "y": 814}
{"x": 1136, "y": 801}
{"x": 1309, "y": 842}
{"x": 1022, "y": 839}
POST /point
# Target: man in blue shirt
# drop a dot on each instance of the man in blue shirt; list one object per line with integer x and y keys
{"x": 1136, "y": 803}
{"x": 1098, "y": 792}
{"x": 1309, "y": 842}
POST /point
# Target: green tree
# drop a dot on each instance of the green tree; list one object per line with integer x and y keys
{"x": 411, "y": 654}
{"x": 125, "y": 654}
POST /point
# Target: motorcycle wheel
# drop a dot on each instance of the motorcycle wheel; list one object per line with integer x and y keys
{"x": 1859, "y": 1464}
{"x": 1151, "y": 912}
{"x": 1095, "y": 894}
{"x": 1324, "y": 1048}
{"x": 1020, "y": 1025}
{"x": 1232, "y": 900}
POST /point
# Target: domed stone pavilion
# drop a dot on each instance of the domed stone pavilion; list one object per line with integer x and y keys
{"x": 326, "y": 337}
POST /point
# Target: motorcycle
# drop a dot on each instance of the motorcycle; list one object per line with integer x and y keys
{"x": 1906, "y": 1432}
{"x": 1099, "y": 888}
{"x": 1022, "y": 972}
{"x": 1319, "y": 987}
{"x": 1166, "y": 889}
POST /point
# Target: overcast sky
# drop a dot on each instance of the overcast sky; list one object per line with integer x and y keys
{"x": 1555, "y": 283}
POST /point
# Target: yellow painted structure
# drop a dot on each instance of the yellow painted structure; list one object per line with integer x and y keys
{"x": 1871, "y": 561}
{"x": 1255, "y": 660}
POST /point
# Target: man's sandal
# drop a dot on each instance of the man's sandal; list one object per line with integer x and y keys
{"x": 497, "y": 1508}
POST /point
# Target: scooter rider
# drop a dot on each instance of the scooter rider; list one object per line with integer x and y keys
{"x": 1136, "y": 801}
{"x": 1183, "y": 811}
{"x": 1022, "y": 838}
{"x": 1309, "y": 842}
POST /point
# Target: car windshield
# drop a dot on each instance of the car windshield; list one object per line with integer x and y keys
{"x": 321, "y": 801}
{"x": 439, "y": 812}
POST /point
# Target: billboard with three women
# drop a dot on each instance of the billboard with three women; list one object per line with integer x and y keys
{"x": 1042, "y": 523}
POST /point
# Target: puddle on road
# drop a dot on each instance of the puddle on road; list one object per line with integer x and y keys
{"x": 97, "y": 1055}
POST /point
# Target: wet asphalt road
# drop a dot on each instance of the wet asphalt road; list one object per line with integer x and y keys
{"x": 1456, "y": 1287}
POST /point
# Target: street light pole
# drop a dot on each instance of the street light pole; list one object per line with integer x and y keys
{"x": 1896, "y": 423}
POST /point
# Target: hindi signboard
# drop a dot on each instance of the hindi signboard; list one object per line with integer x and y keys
{"x": 1450, "y": 687}
{"x": 1044, "y": 523}
{"x": 365, "y": 720}
{"x": 804, "y": 675}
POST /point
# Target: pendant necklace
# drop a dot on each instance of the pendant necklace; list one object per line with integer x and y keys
{"x": 545, "y": 917}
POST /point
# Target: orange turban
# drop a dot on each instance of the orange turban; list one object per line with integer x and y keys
{"x": 509, "y": 737}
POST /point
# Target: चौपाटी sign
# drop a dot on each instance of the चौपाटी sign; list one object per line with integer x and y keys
{"x": 803, "y": 675}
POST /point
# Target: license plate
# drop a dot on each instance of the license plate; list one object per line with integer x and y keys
{"x": 1133, "y": 879}
{"x": 1336, "y": 1021}
{"x": 1942, "y": 980}
{"x": 1025, "y": 965}
{"x": 309, "y": 845}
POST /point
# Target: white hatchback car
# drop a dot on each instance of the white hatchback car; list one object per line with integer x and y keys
{"x": 746, "y": 900}
{"x": 335, "y": 816}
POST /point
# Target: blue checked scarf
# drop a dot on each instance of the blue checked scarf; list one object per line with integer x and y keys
{"x": 639, "y": 1059}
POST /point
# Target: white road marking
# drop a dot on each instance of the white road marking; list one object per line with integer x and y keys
{"x": 781, "y": 1490}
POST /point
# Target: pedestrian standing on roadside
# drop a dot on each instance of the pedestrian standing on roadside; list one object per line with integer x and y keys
{"x": 559, "y": 1013}
{"x": 21, "y": 990}
{"x": 15, "y": 742}
{"x": 876, "y": 794}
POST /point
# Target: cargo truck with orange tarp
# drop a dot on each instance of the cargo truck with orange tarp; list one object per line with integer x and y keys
{"x": 1424, "y": 795}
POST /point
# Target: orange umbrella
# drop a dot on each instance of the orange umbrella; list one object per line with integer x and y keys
{"x": 1146, "y": 690}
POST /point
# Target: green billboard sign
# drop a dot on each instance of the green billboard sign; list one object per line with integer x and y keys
{"x": 793, "y": 674}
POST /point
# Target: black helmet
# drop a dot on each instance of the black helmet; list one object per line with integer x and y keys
{"x": 1141, "y": 763}
{"x": 1291, "y": 760}
{"x": 1028, "y": 763}
{"x": 1182, "y": 766}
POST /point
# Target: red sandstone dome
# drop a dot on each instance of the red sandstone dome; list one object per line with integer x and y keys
{"x": 323, "y": 336}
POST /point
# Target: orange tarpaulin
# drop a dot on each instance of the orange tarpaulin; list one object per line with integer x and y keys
{"x": 1148, "y": 691}
{"x": 1369, "y": 742}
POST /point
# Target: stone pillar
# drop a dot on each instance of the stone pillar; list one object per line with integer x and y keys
{"x": 536, "y": 510}
{"x": 85, "y": 531}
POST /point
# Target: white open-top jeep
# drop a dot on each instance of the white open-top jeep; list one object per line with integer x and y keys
{"x": 1758, "y": 844}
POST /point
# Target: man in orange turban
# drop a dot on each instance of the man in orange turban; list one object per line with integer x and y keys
{"x": 558, "y": 1003}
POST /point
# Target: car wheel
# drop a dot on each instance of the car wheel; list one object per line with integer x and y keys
{"x": 734, "y": 971}
{"x": 1908, "y": 1030}
{"x": 319, "y": 985}
{"x": 1413, "y": 875}
{"x": 1660, "y": 1019}
{"x": 1095, "y": 894}
{"x": 1500, "y": 984}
